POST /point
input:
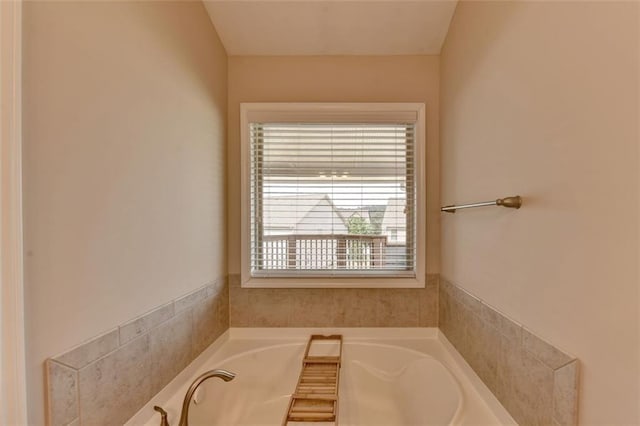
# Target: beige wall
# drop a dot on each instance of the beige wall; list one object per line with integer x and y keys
{"x": 334, "y": 79}
{"x": 124, "y": 166}
{"x": 541, "y": 100}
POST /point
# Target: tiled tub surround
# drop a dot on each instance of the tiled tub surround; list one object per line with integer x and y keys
{"x": 109, "y": 378}
{"x": 536, "y": 382}
{"x": 106, "y": 380}
{"x": 331, "y": 307}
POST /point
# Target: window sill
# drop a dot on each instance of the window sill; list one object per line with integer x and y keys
{"x": 334, "y": 282}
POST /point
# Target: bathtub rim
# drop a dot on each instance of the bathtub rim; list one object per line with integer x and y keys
{"x": 455, "y": 364}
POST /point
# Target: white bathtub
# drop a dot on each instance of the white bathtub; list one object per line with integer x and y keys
{"x": 388, "y": 377}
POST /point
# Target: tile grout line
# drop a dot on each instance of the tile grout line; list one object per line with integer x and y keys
{"x": 63, "y": 364}
{"x": 457, "y": 303}
{"x": 212, "y": 290}
{"x": 565, "y": 364}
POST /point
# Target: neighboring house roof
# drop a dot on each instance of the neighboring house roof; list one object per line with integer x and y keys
{"x": 292, "y": 211}
{"x": 394, "y": 216}
{"x": 349, "y": 213}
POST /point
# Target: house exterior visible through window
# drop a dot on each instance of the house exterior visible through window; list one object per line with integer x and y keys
{"x": 333, "y": 193}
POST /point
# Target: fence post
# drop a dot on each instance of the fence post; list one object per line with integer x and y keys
{"x": 291, "y": 252}
{"x": 342, "y": 252}
{"x": 376, "y": 252}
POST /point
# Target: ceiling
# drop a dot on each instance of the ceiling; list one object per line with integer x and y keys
{"x": 331, "y": 27}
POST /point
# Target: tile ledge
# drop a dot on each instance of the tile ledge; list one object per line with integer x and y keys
{"x": 352, "y": 333}
{"x": 66, "y": 358}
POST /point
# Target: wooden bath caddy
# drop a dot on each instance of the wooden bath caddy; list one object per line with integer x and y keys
{"x": 316, "y": 396}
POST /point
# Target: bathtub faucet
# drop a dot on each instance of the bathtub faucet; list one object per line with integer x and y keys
{"x": 184, "y": 416}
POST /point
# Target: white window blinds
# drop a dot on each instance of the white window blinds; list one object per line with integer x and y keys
{"x": 332, "y": 199}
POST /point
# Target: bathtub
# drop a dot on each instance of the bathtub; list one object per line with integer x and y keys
{"x": 388, "y": 377}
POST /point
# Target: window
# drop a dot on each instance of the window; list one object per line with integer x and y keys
{"x": 333, "y": 195}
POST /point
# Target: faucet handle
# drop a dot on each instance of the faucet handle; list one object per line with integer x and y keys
{"x": 163, "y": 420}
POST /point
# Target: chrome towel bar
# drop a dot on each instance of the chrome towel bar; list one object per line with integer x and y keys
{"x": 514, "y": 202}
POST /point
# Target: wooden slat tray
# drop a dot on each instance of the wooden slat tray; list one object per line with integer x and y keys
{"x": 316, "y": 396}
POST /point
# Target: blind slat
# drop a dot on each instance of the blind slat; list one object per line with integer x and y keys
{"x": 332, "y": 199}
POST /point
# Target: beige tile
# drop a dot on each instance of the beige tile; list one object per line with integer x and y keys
{"x": 535, "y": 390}
{"x": 91, "y": 350}
{"x": 171, "y": 349}
{"x": 234, "y": 280}
{"x": 445, "y": 285}
{"x": 428, "y": 305}
{"x": 471, "y": 302}
{"x": 509, "y": 362}
{"x": 355, "y": 307}
{"x": 190, "y": 299}
{"x": 502, "y": 323}
{"x": 238, "y": 306}
{"x": 524, "y": 385}
{"x": 313, "y": 308}
{"x": 454, "y": 321}
{"x": 515, "y": 364}
{"x": 144, "y": 323}
{"x": 510, "y": 329}
{"x": 217, "y": 286}
{"x": 222, "y": 311}
{"x": 336, "y": 308}
{"x": 62, "y": 389}
{"x": 397, "y": 308}
{"x": 491, "y": 316}
{"x": 445, "y": 315}
{"x": 268, "y": 307}
{"x": 461, "y": 296}
{"x": 113, "y": 388}
{"x": 565, "y": 394}
{"x": 332, "y": 307}
{"x": 76, "y": 422}
{"x": 205, "y": 323}
{"x": 545, "y": 352}
{"x": 461, "y": 319}
{"x": 482, "y": 343}
{"x": 114, "y": 380}
{"x": 433, "y": 280}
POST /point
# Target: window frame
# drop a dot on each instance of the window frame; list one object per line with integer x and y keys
{"x": 340, "y": 112}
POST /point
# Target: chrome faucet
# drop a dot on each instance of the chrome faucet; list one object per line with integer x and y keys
{"x": 184, "y": 415}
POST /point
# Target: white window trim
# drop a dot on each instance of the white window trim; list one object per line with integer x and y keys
{"x": 347, "y": 112}
{"x": 13, "y": 394}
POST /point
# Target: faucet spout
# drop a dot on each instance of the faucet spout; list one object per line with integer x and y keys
{"x": 163, "y": 414}
{"x": 221, "y": 374}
